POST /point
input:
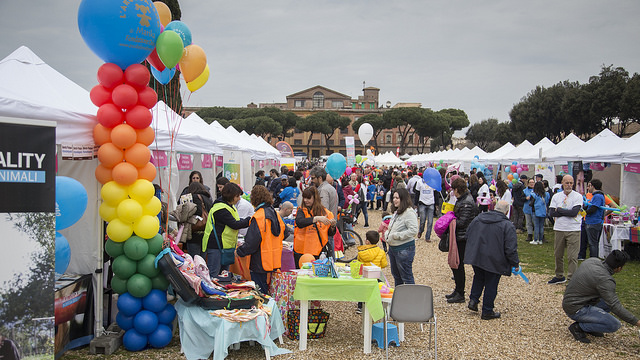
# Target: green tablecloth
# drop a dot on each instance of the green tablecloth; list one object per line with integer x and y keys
{"x": 341, "y": 289}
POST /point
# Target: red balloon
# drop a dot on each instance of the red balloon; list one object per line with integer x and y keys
{"x": 110, "y": 75}
{"x": 125, "y": 96}
{"x": 137, "y": 76}
{"x": 139, "y": 117}
{"x": 100, "y": 95}
{"x": 110, "y": 115}
{"x": 147, "y": 97}
{"x": 155, "y": 61}
{"x": 514, "y": 168}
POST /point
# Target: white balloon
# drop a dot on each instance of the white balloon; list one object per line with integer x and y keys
{"x": 365, "y": 133}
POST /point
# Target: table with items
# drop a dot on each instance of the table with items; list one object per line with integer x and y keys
{"x": 614, "y": 236}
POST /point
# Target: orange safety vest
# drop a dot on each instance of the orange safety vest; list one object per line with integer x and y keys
{"x": 305, "y": 240}
{"x": 271, "y": 246}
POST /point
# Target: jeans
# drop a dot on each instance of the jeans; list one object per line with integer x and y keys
{"x": 458, "y": 274}
{"x": 214, "y": 263}
{"x": 571, "y": 241}
{"x": 425, "y": 212}
{"x": 194, "y": 249}
{"x": 402, "y": 264}
{"x": 529, "y": 220}
{"x": 596, "y": 319}
{"x": 261, "y": 280}
{"x": 538, "y": 227}
{"x": 488, "y": 281}
{"x": 517, "y": 217}
{"x": 593, "y": 236}
{"x": 363, "y": 207}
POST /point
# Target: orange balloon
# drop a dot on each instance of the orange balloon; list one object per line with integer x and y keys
{"x": 138, "y": 155}
{"x": 110, "y": 155}
{"x": 305, "y": 259}
{"x": 124, "y": 173}
{"x": 123, "y": 136}
{"x": 510, "y": 177}
{"x": 146, "y": 135}
{"x": 147, "y": 172}
{"x": 103, "y": 174}
{"x": 193, "y": 62}
{"x": 163, "y": 12}
{"x": 101, "y": 134}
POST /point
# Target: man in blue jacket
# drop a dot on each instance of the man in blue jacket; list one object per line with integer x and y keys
{"x": 492, "y": 250}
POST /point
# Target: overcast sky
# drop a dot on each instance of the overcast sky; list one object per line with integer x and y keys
{"x": 478, "y": 56}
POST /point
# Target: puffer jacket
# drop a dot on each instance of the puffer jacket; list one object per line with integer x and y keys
{"x": 184, "y": 214}
{"x": 465, "y": 210}
{"x": 372, "y": 255}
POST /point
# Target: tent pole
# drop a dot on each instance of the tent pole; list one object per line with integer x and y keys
{"x": 621, "y": 183}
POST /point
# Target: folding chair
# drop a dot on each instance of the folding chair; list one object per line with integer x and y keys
{"x": 414, "y": 303}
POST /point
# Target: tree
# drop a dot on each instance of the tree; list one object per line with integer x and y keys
{"x": 450, "y": 120}
{"x": 429, "y": 126}
{"x": 378, "y": 124}
{"x": 607, "y": 89}
{"x": 576, "y": 107}
{"x": 311, "y": 125}
{"x": 630, "y": 102}
{"x": 404, "y": 119}
{"x": 483, "y": 133}
{"x": 331, "y": 121}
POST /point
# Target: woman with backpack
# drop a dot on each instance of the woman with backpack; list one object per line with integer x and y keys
{"x": 540, "y": 199}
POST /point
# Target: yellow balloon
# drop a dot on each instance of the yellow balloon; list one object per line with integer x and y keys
{"x": 107, "y": 212}
{"x": 147, "y": 227}
{"x": 113, "y": 193}
{"x": 153, "y": 207}
{"x": 199, "y": 81}
{"x": 118, "y": 230}
{"x": 141, "y": 190}
{"x": 164, "y": 13}
{"x": 129, "y": 211}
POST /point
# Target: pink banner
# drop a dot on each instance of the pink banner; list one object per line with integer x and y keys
{"x": 207, "y": 161}
{"x": 565, "y": 168}
{"x": 634, "y": 168}
{"x": 159, "y": 158}
{"x": 597, "y": 166}
{"x": 219, "y": 161}
{"x": 253, "y": 163}
{"x": 185, "y": 162}
{"x": 261, "y": 164}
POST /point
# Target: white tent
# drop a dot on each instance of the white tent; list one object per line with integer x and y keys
{"x": 567, "y": 144}
{"x": 495, "y": 157}
{"x": 388, "y": 159}
{"x": 516, "y": 153}
{"x": 597, "y": 149}
{"x": 535, "y": 154}
{"x": 631, "y": 152}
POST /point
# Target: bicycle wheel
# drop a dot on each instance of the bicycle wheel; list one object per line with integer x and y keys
{"x": 351, "y": 241}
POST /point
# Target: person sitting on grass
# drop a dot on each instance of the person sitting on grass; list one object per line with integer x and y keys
{"x": 591, "y": 295}
{"x": 370, "y": 254}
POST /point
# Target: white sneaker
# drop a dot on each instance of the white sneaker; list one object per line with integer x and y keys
{"x": 539, "y": 242}
{"x": 533, "y": 242}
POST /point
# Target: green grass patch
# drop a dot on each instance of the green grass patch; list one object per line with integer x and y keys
{"x": 540, "y": 259}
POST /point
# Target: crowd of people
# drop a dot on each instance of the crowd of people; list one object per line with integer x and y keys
{"x": 489, "y": 213}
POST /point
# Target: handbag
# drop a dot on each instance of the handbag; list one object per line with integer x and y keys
{"x": 201, "y": 223}
{"x": 227, "y": 256}
{"x": 443, "y": 245}
{"x": 316, "y": 327}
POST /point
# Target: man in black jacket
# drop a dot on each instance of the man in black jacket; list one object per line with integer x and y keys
{"x": 517, "y": 193}
{"x": 492, "y": 250}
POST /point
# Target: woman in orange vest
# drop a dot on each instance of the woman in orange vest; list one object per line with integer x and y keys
{"x": 263, "y": 240}
{"x": 314, "y": 225}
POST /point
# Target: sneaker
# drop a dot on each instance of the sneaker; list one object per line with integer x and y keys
{"x": 580, "y": 259}
{"x": 358, "y": 311}
{"x": 366, "y": 226}
{"x": 533, "y": 242}
{"x": 578, "y": 333}
{"x": 557, "y": 280}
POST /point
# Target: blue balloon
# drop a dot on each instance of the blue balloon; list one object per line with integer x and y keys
{"x": 63, "y": 254}
{"x": 119, "y": 32}
{"x": 432, "y": 178}
{"x": 163, "y": 76}
{"x": 71, "y": 201}
{"x": 155, "y": 300}
{"x": 167, "y": 315}
{"x": 128, "y": 304}
{"x": 124, "y": 322}
{"x": 145, "y": 322}
{"x": 181, "y": 29}
{"x": 161, "y": 337}
{"x": 336, "y": 165}
{"x": 476, "y": 157}
{"x": 134, "y": 341}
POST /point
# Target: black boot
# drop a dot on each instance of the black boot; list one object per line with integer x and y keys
{"x": 529, "y": 237}
{"x": 449, "y": 296}
{"x": 457, "y": 298}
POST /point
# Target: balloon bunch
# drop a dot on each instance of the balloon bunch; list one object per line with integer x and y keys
{"x": 513, "y": 171}
{"x": 71, "y": 203}
{"x": 145, "y": 320}
{"x": 475, "y": 164}
{"x": 175, "y": 50}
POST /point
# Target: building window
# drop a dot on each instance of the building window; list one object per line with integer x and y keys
{"x": 398, "y": 139}
{"x": 315, "y": 153}
{"x": 410, "y": 140}
{"x": 342, "y": 143}
{"x": 297, "y": 141}
{"x": 388, "y": 138}
{"x": 315, "y": 142}
{"x": 330, "y": 142}
{"x": 298, "y": 103}
{"x": 353, "y": 105}
{"x": 343, "y": 152}
{"x": 318, "y": 100}
{"x": 344, "y": 131}
{"x": 337, "y": 104}
{"x": 372, "y": 105}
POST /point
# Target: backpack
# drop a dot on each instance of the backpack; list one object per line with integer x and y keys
{"x": 442, "y": 224}
{"x": 202, "y": 223}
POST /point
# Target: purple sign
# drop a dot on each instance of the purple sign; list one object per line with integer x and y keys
{"x": 634, "y": 168}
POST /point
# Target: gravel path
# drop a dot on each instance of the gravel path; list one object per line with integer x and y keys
{"x": 533, "y": 325}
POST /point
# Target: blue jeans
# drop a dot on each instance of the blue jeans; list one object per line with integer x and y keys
{"x": 488, "y": 281}
{"x": 593, "y": 237}
{"x": 214, "y": 263}
{"x": 596, "y": 319}
{"x": 261, "y": 280}
{"x": 426, "y": 212}
{"x": 362, "y": 206}
{"x": 402, "y": 264}
{"x": 538, "y": 227}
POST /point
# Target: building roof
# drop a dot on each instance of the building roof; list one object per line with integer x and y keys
{"x": 319, "y": 87}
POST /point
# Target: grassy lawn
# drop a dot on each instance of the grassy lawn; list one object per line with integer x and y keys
{"x": 539, "y": 259}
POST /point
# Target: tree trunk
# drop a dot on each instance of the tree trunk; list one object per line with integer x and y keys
{"x": 309, "y": 145}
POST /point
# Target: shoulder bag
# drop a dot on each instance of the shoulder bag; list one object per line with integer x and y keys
{"x": 202, "y": 223}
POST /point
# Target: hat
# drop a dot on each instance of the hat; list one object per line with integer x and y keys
{"x": 540, "y": 176}
{"x": 523, "y": 177}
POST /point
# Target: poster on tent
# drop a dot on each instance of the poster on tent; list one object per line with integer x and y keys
{"x": 74, "y": 312}
{"x": 207, "y": 161}
{"x": 247, "y": 172}
{"x": 185, "y": 162}
{"x": 27, "y": 225}
{"x": 231, "y": 168}
{"x": 349, "y": 142}
{"x": 546, "y": 169}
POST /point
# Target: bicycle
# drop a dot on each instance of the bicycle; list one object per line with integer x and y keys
{"x": 350, "y": 239}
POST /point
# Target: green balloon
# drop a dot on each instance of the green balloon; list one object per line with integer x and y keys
{"x": 123, "y": 267}
{"x": 358, "y": 158}
{"x": 155, "y": 244}
{"x": 441, "y": 161}
{"x": 119, "y": 285}
{"x": 139, "y": 285}
{"x": 146, "y": 266}
{"x": 114, "y": 249}
{"x": 160, "y": 282}
{"x": 438, "y": 167}
{"x": 136, "y": 248}
{"x": 169, "y": 46}
{"x": 514, "y": 181}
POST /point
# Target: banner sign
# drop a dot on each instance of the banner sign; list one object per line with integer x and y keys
{"x": 159, "y": 159}
{"x": 207, "y": 161}
{"x": 185, "y": 162}
{"x": 634, "y": 168}
{"x": 597, "y": 166}
{"x": 349, "y": 142}
{"x": 73, "y": 308}
{"x": 231, "y": 166}
{"x": 27, "y": 167}
{"x": 219, "y": 160}
{"x": 285, "y": 149}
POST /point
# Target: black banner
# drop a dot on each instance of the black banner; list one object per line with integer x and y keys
{"x": 27, "y": 167}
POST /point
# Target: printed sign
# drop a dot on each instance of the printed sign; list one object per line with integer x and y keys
{"x": 219, "y": 160}
{"x": 349, "y": 142}
{"x": 185, "y": 162}
{"x": 207, "y": 161}
{"x": 634, "y": 168}
{"x": 159, "y": 159}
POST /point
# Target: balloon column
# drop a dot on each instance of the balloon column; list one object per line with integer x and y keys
{"x": 123, "y": 34}
{"x": 71, "y": 202}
